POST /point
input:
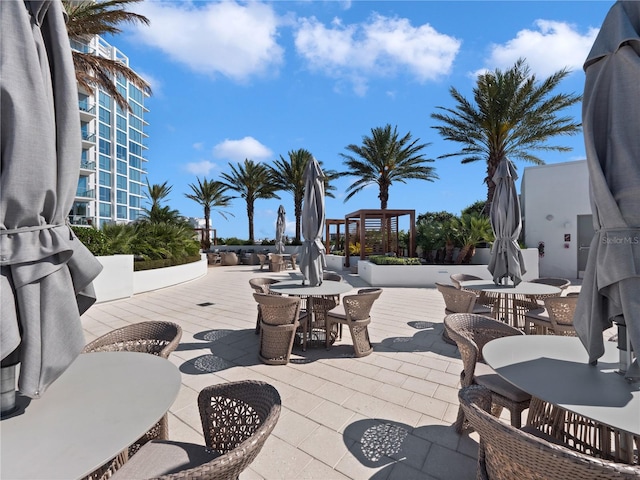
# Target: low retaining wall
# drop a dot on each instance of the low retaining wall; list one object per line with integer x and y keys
{"x": 428, "y": 275}
{"x": 118, "y": 280}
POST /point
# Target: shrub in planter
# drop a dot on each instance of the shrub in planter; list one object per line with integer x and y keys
{"x": 95, "y": 240}
{"x": 385, "y": 260}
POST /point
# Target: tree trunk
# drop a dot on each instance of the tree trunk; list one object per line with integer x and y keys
{"x": 250, "y": 217}
{"x": 298, "y": 212}
{"x": 206, "y": 244}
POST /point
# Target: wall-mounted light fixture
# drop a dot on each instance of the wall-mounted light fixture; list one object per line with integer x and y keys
{"x": 567, "y": 224}
{"x": 549, "y": 217}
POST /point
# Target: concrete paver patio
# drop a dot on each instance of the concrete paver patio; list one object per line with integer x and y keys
{"x": 385, "y": 416}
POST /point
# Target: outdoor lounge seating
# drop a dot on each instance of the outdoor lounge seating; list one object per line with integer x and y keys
{"x": 556, "y": 317}
{"x": 507, "y": 453}
{"x": 154, "y": 337}
{"x": 237, "y": 418}
{"x": 459, "y": 301}
{"x": 472, "y": 332}
{"x": 357, "y": 317}
{"x": 278, "y": 327}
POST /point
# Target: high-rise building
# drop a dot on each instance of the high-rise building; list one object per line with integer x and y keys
{"x": 112, "y": 171}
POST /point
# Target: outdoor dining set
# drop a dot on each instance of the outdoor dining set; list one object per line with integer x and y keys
{"x": 520, "y": 352}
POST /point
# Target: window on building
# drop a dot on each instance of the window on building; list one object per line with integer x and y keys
{"x": 121, "y": 122}
{"x": 105, "y": 179}
{"x": 105, "y": 194}
{"x": 134, "y": 175}
{"x": 121, "y": 211}
{"x": 121, "y": 182}
{"x": 121, "y": 196}
{"x": 121, "y": 167}
{"x": 135, "y": 188}
{"x": 104, "y": 147}
{"x": 134, "y": 214}
{"x": 105, "y": 209}
{"x": 104, "y": 100}
{"x": 121, "y": 152}
{"x": 105, "y": 162}
{"x": 135, "y": 162}
{"x": 135, "y": 149}
{"x": 104, "y": 115}
{"x": 134, "y": 201}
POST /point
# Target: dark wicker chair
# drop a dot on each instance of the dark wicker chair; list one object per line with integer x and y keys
{"x": 278, "y": 327}
{"x": 261, "y": 285}
{"x": 237, "y": 418}
{"x": 262, "y": 258}
{"x": 357, "y": 317}
{"x": 459, "y": 301}
{"x": 472, "y": 332}
{"x": 154, "y": 337}
{"x": 507, "y": 453}
{"x": 276, "y": 263}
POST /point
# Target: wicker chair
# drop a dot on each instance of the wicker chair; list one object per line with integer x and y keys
{"x": 507, "y": 453}
{"x": 263, "y": 260}
{"x": 276, "y": 263}
{"x": 357, "y": 317}
{"x": 228, "y": 259}
{"x": 555, "y": 318}
{"x": 261, "y": 285}
{"x": 292, "y": 260}
{"x": 484, "y": 299}
{"x": 472, "y": 332}
{"x": 459, "y": 301}
{"x": 154, "y": 337}
{"x": 277, "y": 327}
{"x": 237, "y": 418}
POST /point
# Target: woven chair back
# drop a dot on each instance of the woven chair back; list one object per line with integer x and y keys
{"x": 277, "y": 309}
{"x": 153, "y": 337}
{"x": 507, "y": 453}
{"x": 456, "y": 301}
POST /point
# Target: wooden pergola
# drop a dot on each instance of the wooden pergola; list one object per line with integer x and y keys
{"x": 329, "y": 222}
{"x": 377, "y": 231}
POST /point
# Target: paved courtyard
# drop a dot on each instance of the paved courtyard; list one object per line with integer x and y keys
{"x": 385, "y": 416}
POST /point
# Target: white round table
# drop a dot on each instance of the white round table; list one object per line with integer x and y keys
{"x": 98, "y": 407}
{"x": 511, "y": 301}
{"x": 555, "y": 369}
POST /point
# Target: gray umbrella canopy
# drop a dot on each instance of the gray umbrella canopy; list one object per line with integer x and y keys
{"x": 506, "y": 257}
{"x": 44, "y": 268}
{"x": 312, "y": 260}
{"x": 611, "y": 121}
{"x": 280, "y": 226}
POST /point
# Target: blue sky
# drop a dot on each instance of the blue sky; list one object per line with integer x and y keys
{"x": 256, "y": 80}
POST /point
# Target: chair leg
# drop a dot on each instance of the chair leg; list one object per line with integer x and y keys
{"x": 259, "y": 319}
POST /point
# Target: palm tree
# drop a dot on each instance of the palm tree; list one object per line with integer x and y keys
{"x": 87, "y": 18}
{"x": 288, "y": 175}
{"x": 384, "y": 158}
{"x": 157, "y": 213}
{"x": 209, "y": 194}
{"x": 511, "y": 115}
{"x": 252, "y": 181}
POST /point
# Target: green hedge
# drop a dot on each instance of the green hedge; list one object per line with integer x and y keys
{"x": 385, "y": 260}
{"x": 140, "y": 265}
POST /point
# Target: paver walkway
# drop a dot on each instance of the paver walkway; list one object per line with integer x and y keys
{"x": 385, "y": 416}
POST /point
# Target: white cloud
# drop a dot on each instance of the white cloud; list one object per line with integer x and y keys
{"x": 226, "y": 38}
{"x": 238, "y": 150}
{"x": 382, "y": 46}
{"x": 203, "y": 167}
{"x": 547, "y": 49}
{"x": 198, "y": 146}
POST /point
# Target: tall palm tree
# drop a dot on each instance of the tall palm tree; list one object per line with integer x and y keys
{"x": 384, "y": 158}
{"x": 156, "y": 213}
{"x": 252, "y": 181}
{"x": 87, "y": 18}
{"x": 511, "y": 115}
{"x": 209, "y": 194}
{"x": 288, "y": 176}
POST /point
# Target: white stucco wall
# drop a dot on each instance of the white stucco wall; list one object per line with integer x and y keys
{"x": 552, "y": 196}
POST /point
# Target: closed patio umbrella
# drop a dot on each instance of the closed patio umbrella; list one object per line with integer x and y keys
{"x": 312, "y": 260}
{"x": 506, "y": 257}
{"x": 611, "y": 120}
{"x": 46, "y": 272}
{"x": 280, "y": 225}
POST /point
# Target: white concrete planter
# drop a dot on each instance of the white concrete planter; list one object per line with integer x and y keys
{"x": 335, "y": 263}
{"x": 118, "y": 280}
{"x": 428, "y": 275}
